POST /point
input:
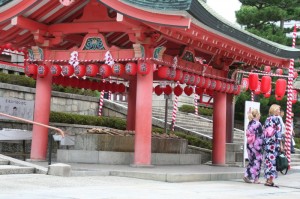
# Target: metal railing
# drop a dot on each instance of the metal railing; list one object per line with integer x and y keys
{"x": 40, "y": 124}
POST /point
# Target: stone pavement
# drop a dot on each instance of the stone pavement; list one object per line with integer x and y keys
{"x": 91, "y": 181}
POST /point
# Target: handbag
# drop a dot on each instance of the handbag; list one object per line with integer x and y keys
{"x": 282, "y": 163}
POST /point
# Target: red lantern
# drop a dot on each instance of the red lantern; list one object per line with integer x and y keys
{"x": 121, "y": 88}
{"x": 67, "y": 70}
{"x": 42, "y": 71}
{"x": 228, "y": 86}
{"x": 143, "y": 68}
{"x": 295, "y": 96}
{"x": 202, "y": 82}
{"x": 279, "y": 71}
{"x": 267, "y": 69}
{"x": 199, "y": 91}
{"x": 8, "y": 46}
{"x": 85, "y": 84}
{"x": 185, "y": 78}
{"x": 223, "y": 87}
{"x": 31, "y": 70}
{"x": 178, "y": 90}
{"x": 213, "y": 84}
{"x": 253, "y": 81}
{"x": 55, "y": 80}
{"x": 91, "y": 70}
{"x": 179, "y": 75}
{"x": 265, "y": 84}
{"x": 163, "y": 72}
{"x": 207, "y": 83}
{"x": 188, "y": 90}
{"x": 172, "y": 74}
{"x": 198, "y": 80}
{"x": 237, "y": 89}
{"x": 74, "y": 82}
{"x": 245, "y": 84}
{"x": 268, "y": 93}
{"x": 118, "y": 69}
{"x": 114, "y": 87}
{"x": 257, "y": 90}
{"x": 278, "y": 98}
{"x": 167, "y": 90}
{"x": 55, "y": 70}
{"x": 130, "y": 68}
{"x": 107, "y": 86}
{"x": 231, "y": 90}
{"x": 280, "y": 88}
{"x": 192, "y": 80}
{"x": 64, "y": 81}
{"x": 101, "y": 86}
{"x": 80, "y": 70}
{"x": 158, "y": 90}
{"x": 105, "y": 70}
{"x": 218, "y": 85}
{"x": 209, "y": 92}
{"x": 295, "y": 74}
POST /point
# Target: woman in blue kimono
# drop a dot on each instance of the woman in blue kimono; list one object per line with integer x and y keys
{"x": 273, "y": 143}
{"x": 254, "y": 135}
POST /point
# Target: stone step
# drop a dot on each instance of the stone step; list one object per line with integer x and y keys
{"x": 4, "y": 162}
{"x": 14, "y": 169}
{"x": 293, "y": 163}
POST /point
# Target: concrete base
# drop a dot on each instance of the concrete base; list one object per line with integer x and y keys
{"x": 59, "y": 169}
{"x": 142, "y": 165}
{"x": 234, "y": 152}
{"x": 124, "y": 158}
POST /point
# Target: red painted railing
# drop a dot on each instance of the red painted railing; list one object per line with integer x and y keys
{"x": 32, "y": 122}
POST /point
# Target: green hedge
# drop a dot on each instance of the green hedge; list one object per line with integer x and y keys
{"x": 69, "y": 118}
{"x": 201, "y": 110}
{"x": 195, "y": 141}
{"x": 22, "y": 80}
{"x": 192, "y": 140}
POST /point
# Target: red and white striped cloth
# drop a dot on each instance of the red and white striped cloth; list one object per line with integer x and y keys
{"x": 196, "y": 103}
{"x": 101, "y": 102}
{"x": 289, "y": 104}
{"x": 175, "y": 109}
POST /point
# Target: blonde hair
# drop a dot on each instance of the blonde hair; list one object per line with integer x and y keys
{"x": 254, "y": 114}
{"x": 273, "y": 109}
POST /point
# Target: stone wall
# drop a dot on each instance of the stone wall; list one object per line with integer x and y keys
{"x": 60, "y": 102}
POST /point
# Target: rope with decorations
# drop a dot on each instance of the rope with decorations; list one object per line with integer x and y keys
{"x": 175, "y": 109}
{"x": 289, "y": 103}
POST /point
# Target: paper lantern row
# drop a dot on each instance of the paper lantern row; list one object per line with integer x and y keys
{"x": 264, "y": 86}
{"x": 278, "y": 71}
{"x": 91, "y": 70}
{"x": 188, "y": 90}
{"x": 87, "y": 84}
{"x": 9, "y": 46}
{"x": 177, "y": 75}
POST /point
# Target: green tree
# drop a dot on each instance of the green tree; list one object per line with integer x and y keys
{"x": 260, "y": 17}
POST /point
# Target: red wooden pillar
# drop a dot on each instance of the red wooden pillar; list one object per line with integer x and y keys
{"x": 143, "y": 119}
{"x": 219, "y": 129}
{"x": 131, "y": 104}
{"x": 41, "y": 114}
{"x": 229, "y": 118}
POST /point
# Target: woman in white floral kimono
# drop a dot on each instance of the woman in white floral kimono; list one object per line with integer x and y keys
{"x": 273, "y": 143}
